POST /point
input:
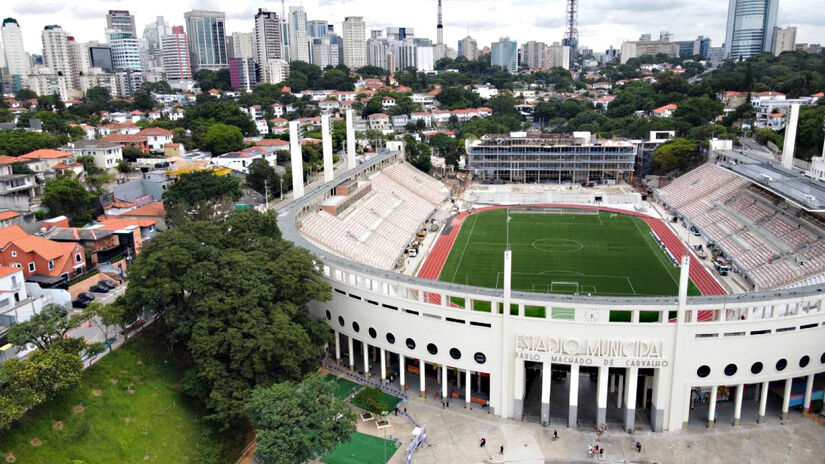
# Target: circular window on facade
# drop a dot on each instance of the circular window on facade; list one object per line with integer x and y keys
{"x": 372, "y": 332}
{"x": 390, "y": 338}
{"x": 480, "y": 358}
{"x": 781, "y": 364}
{"x": 703, "y": 371}
{"x": 431, "y": 348}
{"x": 455, "y": 353}
{"x": 730, "y": 369}
{"x": 756, "y": 368}
{"x": 356, "y": 327}
{"x": 341, "y": 321}
{"x": 411, "y": 343}
{"x": 804, "y": 361}
{"x": 329, "y": 315}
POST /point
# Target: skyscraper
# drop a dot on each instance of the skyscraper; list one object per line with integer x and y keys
{"x": 55, "y": 49}
{"x": 532, "y": 54}
{"x": 750, "y": 27}
{"x": 504, "y": 53}
{"x": 176, "y": 62}
{"x": 125, "y": 49}
{"x": 121, "y": 20}
{"x": 151, "y": 52}
{"x": 468, "y": 48}
{"x": 242, "y": 45}
{"x": 317, "y": 29}
{"x": 15, "y": 54}
{"x": 784, "y": 40}
{"x": 298, "y": 42}
{"x": 355, "y": 44}
{"x": 268, "y": 43}
{"x": 206, "y": 34}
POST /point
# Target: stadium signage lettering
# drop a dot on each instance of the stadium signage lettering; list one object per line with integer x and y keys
{"x": 608, "y": 352}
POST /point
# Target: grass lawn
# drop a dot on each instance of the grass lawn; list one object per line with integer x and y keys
{"x": 389, "y": 402}
{"x": 362, "y": 449}
{"x": 599, "y": 254}
{"x": 126, "y": 410}
{"x": 343, "y": 387}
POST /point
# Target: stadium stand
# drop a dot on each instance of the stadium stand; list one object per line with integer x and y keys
{"x": 376, "y": 229}
{"x": 762, "y": 234}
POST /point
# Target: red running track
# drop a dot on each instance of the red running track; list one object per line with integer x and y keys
{"x": 700, "y": 276}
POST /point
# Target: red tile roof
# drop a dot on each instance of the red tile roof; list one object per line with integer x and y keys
{"x": 5, "y": 159}
{"x": 46, "y": 153}
{"x": 4, "y": 215}
{"x": 6, "y": 271}
{"x": 117, "y": 223}
{"x": 7, "y": 234}
{"x": 155, "y": 131}
{"x": 152, "y": 209}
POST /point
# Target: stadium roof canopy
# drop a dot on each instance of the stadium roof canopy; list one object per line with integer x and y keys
{"x": 790, "y": 184}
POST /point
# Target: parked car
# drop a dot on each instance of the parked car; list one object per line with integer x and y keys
{"x": 97, "y": 288}
{"x": 108, "y": 283}
{"x": 80, "y": 303}
{"x": 88, "y": 296}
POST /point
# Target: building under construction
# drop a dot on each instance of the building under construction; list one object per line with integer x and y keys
{"x": 540, "y": 157}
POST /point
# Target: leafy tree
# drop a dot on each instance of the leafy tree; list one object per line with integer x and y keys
{"x": 297, "y": 423}
{"x": 210, "y": 111}
{"x": 143, "y": 100}
{"x": 418, "y": 154}
{"x": 699, "y": 111}
{"x": 261, "y": 175}
{"x": 371, "y": 72}
{"x": 43, "y": 329}
{"x": 132, "y": 154}
{"x": 809, "y": 140}
{"x": 25, "y": 94}
{"x": 222, "y": 138}
{"x": 201, "y": 195}
{"x": 447, "y": 147}
{"x": 676, "y": 154}
{"x": 20, "y": 167}
{"x": 233, "y": 297}
{"x": 208, "y": 79}
{"x": 106, "y": 316}
{"x": 125, "y": 167}
{"x": 19, "y": 142}
{"x": 65, "y": 195}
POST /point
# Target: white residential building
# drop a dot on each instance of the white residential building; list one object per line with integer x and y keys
{"x": 175, "y": 54}
{"x": 106, "y": 154}
{"x": 15, "y": 54}
{"x": 298, "y": 40}
{"x": 268, "y": 42}
{"x": 355, "y": 44}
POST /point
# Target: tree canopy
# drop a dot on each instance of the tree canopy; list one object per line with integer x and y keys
{"x": 222, "y": 138}
{"x": 65, "y": 195}
{"x": 233, "y": 296}
{"x": 200, "y": 195}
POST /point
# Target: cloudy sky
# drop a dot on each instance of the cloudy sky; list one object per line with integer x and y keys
{"x": 602, "y": 23}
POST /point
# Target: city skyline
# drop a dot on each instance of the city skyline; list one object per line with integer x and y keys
{"x": 601, "y": 24}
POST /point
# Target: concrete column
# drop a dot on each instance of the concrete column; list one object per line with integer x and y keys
{"x": 790, "y": 137}
{"x": 619, "y": 389}
{"x": 712, "y": 407}
{"x": 326, "y": 140}
{"x": 506, "y": 376}
{"x": 444, "y": 383}
{"x": 546, "y": 370}
{"x": 458, "y": 379}
{"x": 763, "y": 402}
{"x": 383, "y": 364}
{"x": 645, "y": 386}
{"x": 366, "y": 359}
{"x": 518, "y": 389}
{"x": 786, "y": 398}
{"x": 297, "y": 161}
{"x": 630, "y": 399}
{"x": 601, "y": 395}
{"x": 422, "y": 380}
{"x": 574, "y": 395}
{"x": 612, "y": 383}
{"x": 809, "y": 388}
{"x": 737, "y": 404}
{"x": 657, "y": 400}
{"x": 351, "y": 354}
{"x": 337, "y": 345}
{"x": 468, "y": 394}
{"x": 402, "y": 372}
{"x": 350, "y": 140}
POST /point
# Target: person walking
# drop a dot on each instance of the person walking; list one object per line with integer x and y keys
{"x": 483, "y": 442}
{"x": 639, "y": 446}
{"x": 501, "y": 449}
{"x": 555, "y": 435}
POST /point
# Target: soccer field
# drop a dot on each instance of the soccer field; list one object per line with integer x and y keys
{"x": 602, "y": 254}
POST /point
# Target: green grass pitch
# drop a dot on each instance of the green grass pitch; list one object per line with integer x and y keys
{"x": 362, "y": 449}
{"x": 601, "y": 254}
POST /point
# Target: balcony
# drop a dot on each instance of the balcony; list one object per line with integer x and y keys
{"x": 16, "y": 183}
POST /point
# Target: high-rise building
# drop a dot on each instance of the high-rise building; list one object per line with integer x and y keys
{"x": 176, "y": 62}
{"x": 121, "y": 20}
{"x": 55, "y": 49}
{"x": 377, "y": 53}
{"x": 277, "y": 71}
{"x": 784, "y": 40}
{"x": 468, "y": 48}
{"x": 557, "y": 56}
{"x": 15, "y": 54}
{"x": 325, "y": 52}
{"x": 100, "y": 56}
{"x": 400, "y": 33}
{"x": 241, "y": 45}
{"x": 355, "y": 43}
{"x": 125, "y": 49}
{"x": 317, "y": 29}
{"x": 242, "y": 73}
{"x": 504, "y": 53}
{"x": 647, "y": 46}
{"x": 298, "y": 41}
{"x": 750, "y": 27}
{"x": 268, "y": 43}
{"x": 206, "y": 34}
{"x": 151, "y": 52}
{"x": 407, "y": 55}
{"x": 532, "y": 54}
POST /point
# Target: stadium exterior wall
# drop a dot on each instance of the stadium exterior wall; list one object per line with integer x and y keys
{"x": 576, "y": 331}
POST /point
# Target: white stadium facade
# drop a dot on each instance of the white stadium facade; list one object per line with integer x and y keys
{"x": 764, "y": 346}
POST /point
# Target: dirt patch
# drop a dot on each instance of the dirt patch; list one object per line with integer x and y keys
{"x": 124, "y": 371}
{"x": 113, "y": 380}
{"x": 140, "y": 363}
{"x": 145, "y": 457}
{"x": 57, "y": 425}
{"x": 127, "y": 419}
{"x": 35, "y": 442}
{"x": 176, "y": 386}
{"x": 78, "y": 409}
{"x": 130, "y": 391}
{"x": 97, "y": 392}
{"x": 10, "y": 457}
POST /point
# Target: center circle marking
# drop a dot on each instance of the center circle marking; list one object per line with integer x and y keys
{"x": 557, "y": 245}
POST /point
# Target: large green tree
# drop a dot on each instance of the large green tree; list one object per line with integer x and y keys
{"x": 233, "y": 297}
{"x": 65, "y": 195}
{"x": 201, "y": 195}
{"x": 297, "y": 423}
{"x": 19, "y": 142}
{"x": 222, "y": 138}
{"x": 261, "y": 176}
{"x": 676, "y": 154}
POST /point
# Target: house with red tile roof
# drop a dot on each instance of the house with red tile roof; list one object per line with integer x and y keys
{"x": 41, "y": 260}
{"x": 665, "y": 111}
{"x": 137, "y": 142}
{"x": 157, "y": 137}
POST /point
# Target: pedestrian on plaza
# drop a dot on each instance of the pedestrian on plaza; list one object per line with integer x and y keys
{"x": 555, "y": 435}
{"x": 396, "y": 410}
{"x": 405, "y": 410}
{"x": 601, "y": 451}
{"x": 501, "y": 450}
{"x": 483, "y": 442}
{"x": 639, "y": 446}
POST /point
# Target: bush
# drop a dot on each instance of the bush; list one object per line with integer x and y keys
{"x": 370, "y": 399}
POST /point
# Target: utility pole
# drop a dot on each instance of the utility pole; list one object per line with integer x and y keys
{"x": 266, "y": 193}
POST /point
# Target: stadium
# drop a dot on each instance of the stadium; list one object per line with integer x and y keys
{"x": 573, "y": 305}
